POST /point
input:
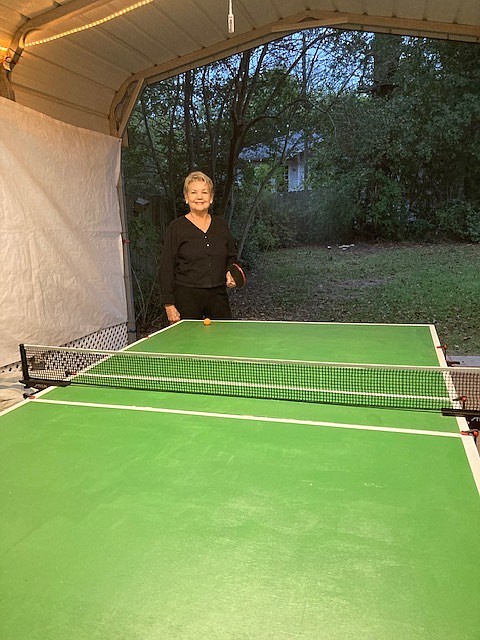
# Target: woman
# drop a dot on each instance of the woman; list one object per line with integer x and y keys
{"x": 197, "y": 250}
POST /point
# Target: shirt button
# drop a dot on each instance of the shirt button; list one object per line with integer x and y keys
{"x": 208, "y": 244}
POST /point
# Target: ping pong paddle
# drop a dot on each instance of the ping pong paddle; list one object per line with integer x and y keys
{"x": 238, "y": 275}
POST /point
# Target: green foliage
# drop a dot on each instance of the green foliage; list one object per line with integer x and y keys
{"x": 459, "y": 220}
{"x": 322, "y": 216}
{"x": 145, "y": 249}
{"x": 270, "y": 227}
{"x": 143, "y": 234}
{"x": 385, "y": 214}
{"x": 412, "y": 147}
{"x": 266, "y": 234}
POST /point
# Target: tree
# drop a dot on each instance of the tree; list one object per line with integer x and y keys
{"x": 206, "y": 117}
{"x": 408, "y": 147}
{"x": 398, "y": 120}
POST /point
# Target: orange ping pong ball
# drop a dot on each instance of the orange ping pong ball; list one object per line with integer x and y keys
{"x": 207, "y": 321}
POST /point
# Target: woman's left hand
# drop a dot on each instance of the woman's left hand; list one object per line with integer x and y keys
{"x": 230, "y": 281}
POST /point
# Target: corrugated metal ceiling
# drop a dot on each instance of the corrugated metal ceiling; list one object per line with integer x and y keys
{"x": 92, "y": 77}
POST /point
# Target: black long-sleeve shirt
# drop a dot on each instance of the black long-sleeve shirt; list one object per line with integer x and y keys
{"x": 194, "y": 258}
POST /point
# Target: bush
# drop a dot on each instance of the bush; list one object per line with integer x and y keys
{"x": 319, "y": 216}
{"x": 384, "y": 211}
{"x": 459, "y": 220}
{"x": 145, "y": 251}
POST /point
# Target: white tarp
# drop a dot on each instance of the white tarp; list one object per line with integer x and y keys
{"x": 61, "y": 260}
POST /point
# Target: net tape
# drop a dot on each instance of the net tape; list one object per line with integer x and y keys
{"x": 426, "y": 388}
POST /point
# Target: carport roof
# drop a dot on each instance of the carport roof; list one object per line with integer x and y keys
{"x": 93, "y": 76}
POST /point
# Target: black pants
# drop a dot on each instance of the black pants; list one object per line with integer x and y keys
{"x": 196, "y": 304}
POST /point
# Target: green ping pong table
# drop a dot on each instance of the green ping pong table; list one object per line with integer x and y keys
{"x": 144, "y": 515}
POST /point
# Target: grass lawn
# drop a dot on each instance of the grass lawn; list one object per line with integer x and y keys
{"x": 427, "y": 283}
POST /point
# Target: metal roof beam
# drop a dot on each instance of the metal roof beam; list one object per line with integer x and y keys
{"x": 312, "y": 19}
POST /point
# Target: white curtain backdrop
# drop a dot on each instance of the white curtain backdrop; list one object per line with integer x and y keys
{"x": 61, "y": 262}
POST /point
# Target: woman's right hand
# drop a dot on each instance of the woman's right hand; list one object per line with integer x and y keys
{"x": 172, "y": 313}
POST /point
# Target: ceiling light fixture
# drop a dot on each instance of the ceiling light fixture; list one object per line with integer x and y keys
{"x": 231, "y": 18}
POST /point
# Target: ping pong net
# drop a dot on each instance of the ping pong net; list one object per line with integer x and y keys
{"x": 389, "y": 386}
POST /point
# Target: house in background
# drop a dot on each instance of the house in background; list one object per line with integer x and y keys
{"x": 291, "y": 155}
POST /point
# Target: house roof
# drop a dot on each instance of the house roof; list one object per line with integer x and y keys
{"x": 93, "y": 76}
{"x": 290, "y": 147}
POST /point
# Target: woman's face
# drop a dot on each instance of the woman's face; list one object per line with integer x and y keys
{"x": 199, "y": 197}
